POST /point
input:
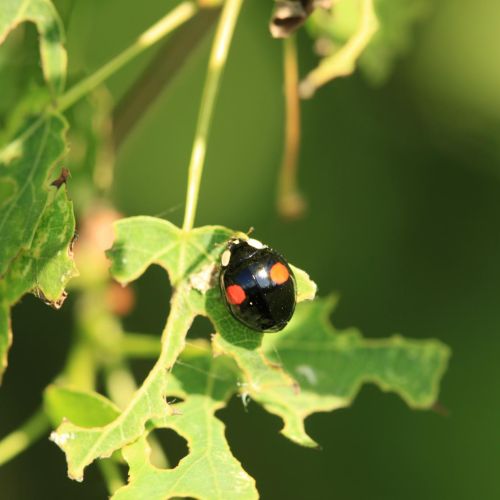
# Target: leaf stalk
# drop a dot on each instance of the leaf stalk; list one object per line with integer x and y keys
{"x": 291, "y": 205}
{"x": 217, "y": 62}
{"x": 182, "y": 13}
{"x": 22, "y": 438}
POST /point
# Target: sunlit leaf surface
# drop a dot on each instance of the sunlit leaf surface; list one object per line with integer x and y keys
{"x": 308, "y": 367}
{"x": 209, "y": 471}
{"x": 37, "y": 224}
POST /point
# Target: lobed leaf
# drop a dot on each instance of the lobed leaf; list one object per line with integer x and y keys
{"x": 25, "y": 168}
{"x": 51, "y": 31}
{"x": 36, "y": 222}
{"x": 47, "y": 266}
{"x": 140, "y": 242}
{"x": 85, "y": 408}
{"x": 331, "y": 366}
{"x": 209, "y": 471}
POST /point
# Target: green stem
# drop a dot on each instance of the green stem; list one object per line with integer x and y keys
{"x": 343, "y": 61}
{"x": 218, "y": 58}
{"x": 139, "y": 345}
{"x": 22, "y": 438}
{"x": 163, "y": 27}
{"x": 80, "y": 370}
{"x": 291, "y": 205}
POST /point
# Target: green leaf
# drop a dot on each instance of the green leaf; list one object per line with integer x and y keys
{"x": 87, "y": 409}
{"x": 47, "y": 266}
{"x": 190, "y": 260}
{"x": 308, "y": 367}
{"x": 36, "y": 222}
{"x": 209, "y": 471}
{"x": 50, "y": 29}
{"x": 140, "y": 242}
{"x": 26, "y": 165}
{"x": 331, "y": 366}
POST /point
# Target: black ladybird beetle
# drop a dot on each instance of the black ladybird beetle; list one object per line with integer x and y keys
{"x": 257, "y": 284}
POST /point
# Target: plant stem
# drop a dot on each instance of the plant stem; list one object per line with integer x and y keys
{"x": 218, "y": 58}
{"x": 139, "y": 345}
{"x": 23, "y": 437}
{"x": 163, "y": 27}
{"x": 290, "y": 202}
{"x": 343, "y": 61}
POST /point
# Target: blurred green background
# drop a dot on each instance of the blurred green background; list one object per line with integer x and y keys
{"x": 403, "y": 186}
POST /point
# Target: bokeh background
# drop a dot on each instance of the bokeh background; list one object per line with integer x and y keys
{"x": 403, "y": 186}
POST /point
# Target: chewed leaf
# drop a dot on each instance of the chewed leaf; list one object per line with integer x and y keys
{"x": 306, "y": 288}
{"x": 308, "y": 367}
{"x": 209, "y": 471}
{"x": 148, "y": 402}
{"x": 47, "y": 266}
{"x": 140, "y": 242}
{"x": 87, "y": 409}
{"x": 50, "y": 28}
{"x": 331, "y": 366}
{"x": 37, "y": 224}
{"x": 342, "y": 361}
{"x": 25, "y": 166}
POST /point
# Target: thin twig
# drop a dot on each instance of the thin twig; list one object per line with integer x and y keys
{"x": 218, "y": 57}
{"x": 23, "y": 437}
{"x": 182, "y": 13}
{"x": 291, "y": 204}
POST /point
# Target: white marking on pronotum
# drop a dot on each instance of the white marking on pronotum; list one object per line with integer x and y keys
{"x": 225, "y": 258}
{"x": 308, "y": 373}
{"x": 255, "y": 243}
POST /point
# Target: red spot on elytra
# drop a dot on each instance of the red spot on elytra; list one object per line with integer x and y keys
{"x": 279, "y": 273}
{"x": 235, "y": 294}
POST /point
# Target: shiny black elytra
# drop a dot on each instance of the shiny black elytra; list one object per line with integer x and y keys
{"x": 257, "y": 285}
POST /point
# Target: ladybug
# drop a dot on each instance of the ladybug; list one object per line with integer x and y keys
{"x": 257, "y": 284}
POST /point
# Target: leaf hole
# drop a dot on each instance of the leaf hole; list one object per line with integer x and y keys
{"x": 201, "y": 328}
{"x": 152, "y": 302}
{"x": 166, "y": 442}
{"x": 174, "y": 400}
